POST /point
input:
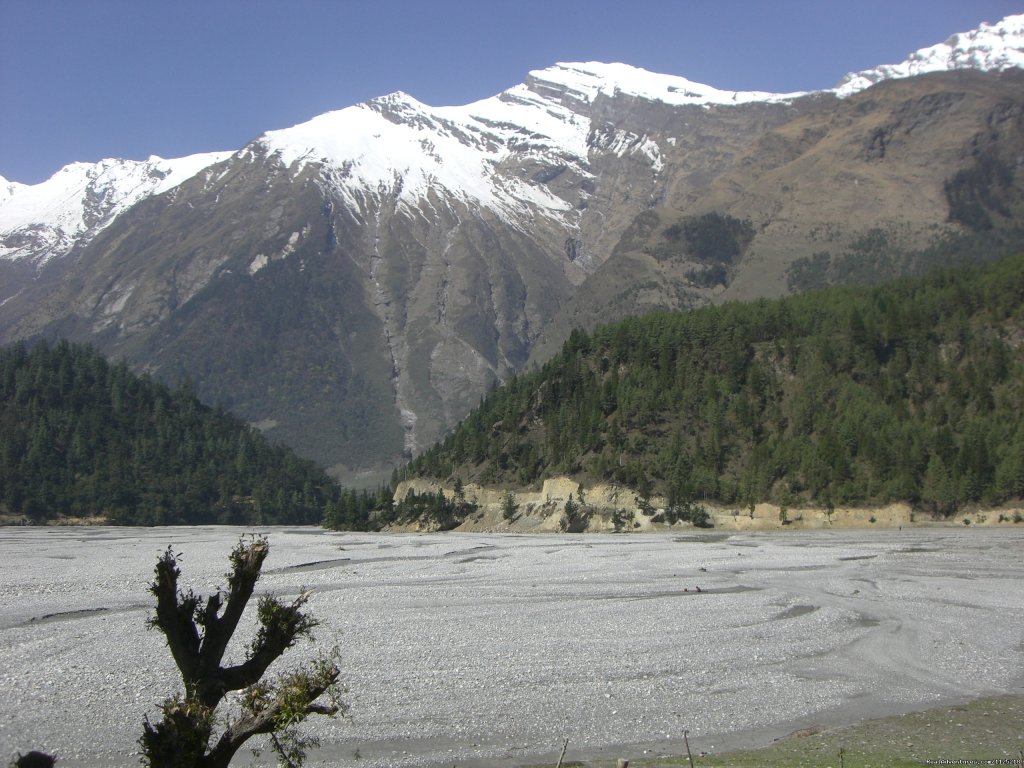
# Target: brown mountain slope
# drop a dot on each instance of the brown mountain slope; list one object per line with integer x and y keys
{"x": 865, "y": 177}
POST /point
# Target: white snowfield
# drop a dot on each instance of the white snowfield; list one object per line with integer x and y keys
{"x": 490, "y": 650}
{"x": 81, "y": 199}
{"x": 396, "y": 145}
{"x": 990, "y": 47}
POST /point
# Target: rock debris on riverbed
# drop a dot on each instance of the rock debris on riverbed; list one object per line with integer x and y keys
{"x": 491, "y": 649}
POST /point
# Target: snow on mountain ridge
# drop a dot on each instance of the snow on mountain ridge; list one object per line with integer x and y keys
{"x": 44, "y": 220}
{"x": 395, "y": 144}
{"x": 593, "y": 78}
{"x": 8, "y": 189}
{"x": 990, "y": 47}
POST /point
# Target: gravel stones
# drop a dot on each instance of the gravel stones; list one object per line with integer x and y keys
{"x": 491, "y": 649}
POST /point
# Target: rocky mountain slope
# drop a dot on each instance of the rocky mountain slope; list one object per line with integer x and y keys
{"x": 901, "y": 177}
{"x": 352, "y": 285}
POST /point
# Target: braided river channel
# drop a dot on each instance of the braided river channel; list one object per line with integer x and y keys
{"x": 492, "y": 650}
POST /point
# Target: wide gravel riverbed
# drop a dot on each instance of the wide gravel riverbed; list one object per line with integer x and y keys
{"x": 477, "y": 650}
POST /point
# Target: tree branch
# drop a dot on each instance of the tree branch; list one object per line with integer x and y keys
{"x": 280, "y": 626}
{"x": 175, "y": 616}
{"x": 295, "y": 701}
{"x": 246, "y": 564}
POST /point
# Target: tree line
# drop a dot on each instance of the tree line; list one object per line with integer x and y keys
{"x": 82, "y": 437}
{"x": 908, "y": 391}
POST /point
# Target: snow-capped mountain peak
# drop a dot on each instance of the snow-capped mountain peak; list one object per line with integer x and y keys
{"x": 586, "y": 80}
{"x": 990, "y": 47}
{"x": 396, "y": 145}
{"x": 403, "y": 257}
{"x": 42, "y": 220}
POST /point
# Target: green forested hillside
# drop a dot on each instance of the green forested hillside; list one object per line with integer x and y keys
{"x": 82, "y": 437}
{"x": 910, "y": 391}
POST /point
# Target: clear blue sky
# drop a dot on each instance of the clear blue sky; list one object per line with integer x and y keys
{"x": 88, "y": 79}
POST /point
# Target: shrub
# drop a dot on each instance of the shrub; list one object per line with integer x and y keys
{"x": 509, "y": 507}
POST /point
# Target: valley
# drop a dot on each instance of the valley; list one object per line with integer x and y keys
{"x": 353, "y": 284}
{"x": 605, "y": 409}
{"x": 484, "y": 650}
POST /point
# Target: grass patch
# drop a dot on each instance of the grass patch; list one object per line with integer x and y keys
{"x": 982, "y": 732}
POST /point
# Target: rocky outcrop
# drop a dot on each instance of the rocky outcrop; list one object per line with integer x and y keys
{"x": 615, "y": 509}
